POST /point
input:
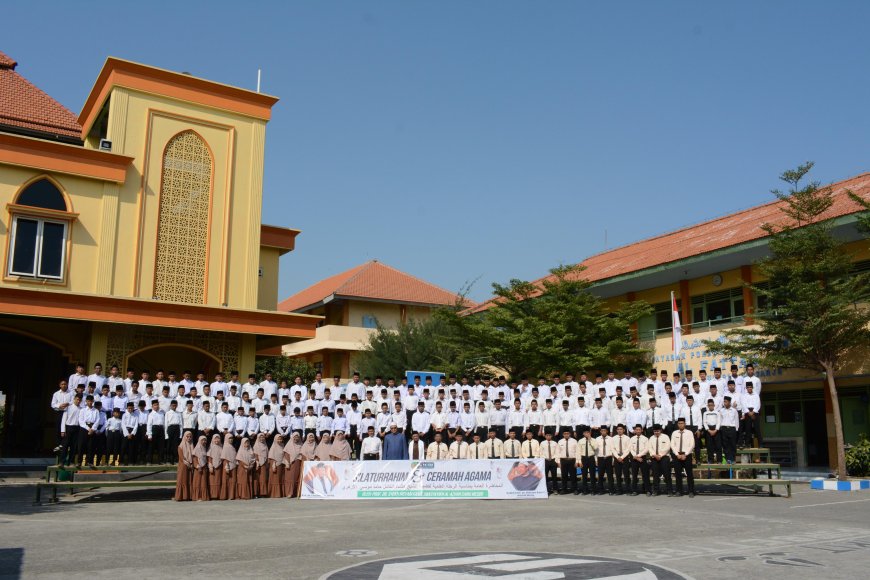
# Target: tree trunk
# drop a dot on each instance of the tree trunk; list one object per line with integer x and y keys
{"x": 838, "y": 422}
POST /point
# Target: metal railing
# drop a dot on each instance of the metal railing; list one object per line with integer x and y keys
{"x": 704, "y": 325}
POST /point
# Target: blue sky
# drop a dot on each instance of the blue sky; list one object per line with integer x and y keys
{"x": 491, "y": 140}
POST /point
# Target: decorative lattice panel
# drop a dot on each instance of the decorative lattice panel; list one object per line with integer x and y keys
{"x": 185, "y": 196}
{"x": 123, "y": 340}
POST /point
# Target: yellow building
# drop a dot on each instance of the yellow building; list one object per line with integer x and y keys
{"x": 352, "y": 305}
{"x": 707, "y": 266}
{"x": 132, "y": 234}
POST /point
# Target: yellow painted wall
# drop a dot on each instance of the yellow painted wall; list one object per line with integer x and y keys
{"x": 268, "y": 284}
{"x": 388, "y": 315}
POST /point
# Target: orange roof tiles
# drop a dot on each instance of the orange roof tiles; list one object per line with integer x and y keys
{"x": 373, "y": 281}
{"x": 736, "y": 228}
{"x": 25, "y": 106}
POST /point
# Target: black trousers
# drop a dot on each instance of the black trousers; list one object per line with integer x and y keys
{"x": 552, "y": 430}
{"x": 568, "y": 466}
{"x": 605, "y": 469}
{"x": 87, "y": 444}
{"x": 172, "y": 443}
{"x": 129, "y": 450}
{"x": 113, "y": 444}
{"x": 661, "y": 468}
{"x": 729, "y": 443}
{"x": 535, "y": 429}
{"x": 697, "y": 435}
{"x": 69, "y": 444}
{"x": 714, "y": 446}
{"x": 370, "y": 457}
{"x": 639, "y": 468}
{"x": 681, "y": 465}
{"x": 156, "y": 444}
{"x": 750, "y": 427}
{"x": 141, "y": 443}
{"x": 588, "y": 476}
{"x": 621, "y": 471}
{"x": 352, "y": 439}
{"x": 499, "y": 431}
{"x": 519, "y": 432}
{"x": 58, "y": 438}
{"x": 550, "y": 474}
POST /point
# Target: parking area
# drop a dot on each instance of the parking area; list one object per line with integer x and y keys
{"x": 140, "y": 533}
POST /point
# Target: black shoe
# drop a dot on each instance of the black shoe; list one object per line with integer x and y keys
{"x": 655, "y": 493}
{"x": 691, "y": 494}
{"x": 671, "y": 494}
{"x": 633, "y": 494}
{"x": 576, "y": 492}
{"x": 679, "y": 494}
{"x": 649, "y": 494}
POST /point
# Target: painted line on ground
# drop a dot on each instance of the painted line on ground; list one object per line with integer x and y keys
{"x": 796, "y": 507}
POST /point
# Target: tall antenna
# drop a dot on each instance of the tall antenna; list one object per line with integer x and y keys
{"x": 259, "y": 71}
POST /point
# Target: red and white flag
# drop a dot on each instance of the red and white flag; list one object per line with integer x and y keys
{"x": 677, "y": 329}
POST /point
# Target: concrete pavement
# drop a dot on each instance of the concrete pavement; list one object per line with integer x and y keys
{"x": 141, "y": 534}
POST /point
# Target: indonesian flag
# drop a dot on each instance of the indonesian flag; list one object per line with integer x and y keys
{"x": 677, "y": 339}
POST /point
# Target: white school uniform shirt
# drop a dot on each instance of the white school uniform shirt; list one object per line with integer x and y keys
{"x": 253, "y": 426}
{"x": 712, "y": 419}
{"x": 297, "y": 423}
{"x": 756, "y": 383}
{"x": 636, "y": 417}
{"x": 599, "y": 417}
{"x": 323, "y": 424}
{"x": 371, "y": 445}
{"x": 319, "y": 387}
{"x": 205, "y": 420}
{"x": 692, "y": 415}
{"x": 282, "y": 424}
{"x": 188, "y": 419}
{"x": 172, "y": 418}
{"x": 129, "y": 423}
{"x": 267, "y": 423}
{"x": 729, "y": 417}
{"x": 240, "y": 425}
{"x": 516, "y": 419}
{"x": 618, "y": 416}
{"x": 220, "y": 387}
{"x": 382, "y": 422}
{"x": 340, "y": 424}
{"x": 224, "y": 422}
{"x": 155, "y": 418}
{"x": 466, "y": 421}
{"x": 100, "y": 380}
{"x": 250, "y": 388}
{"x": 76, "y": 380}
{"x": 70, "y": 417}
{"x": 61, "y": 397}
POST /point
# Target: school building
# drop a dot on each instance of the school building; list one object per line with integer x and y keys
{"x": 131, "y": 234}
{"x": 707, "y": 266}
{"x": 352, "y": 305}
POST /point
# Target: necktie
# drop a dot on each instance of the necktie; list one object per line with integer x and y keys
{"x": 492, "y": 449}
{"x": 691, "y": 420}
{"x": 477, "y": 451}
{"x": 637, "y": 448}
{"x": 587, "y": 448}
{"x": 657, "y": 444}
{"x": 437, "y": 451}
{"x": 681, "y": 442}
{"x": 620, "y": 444}
{"x": 513, "y": 448}
{"x": 549, "y": 450}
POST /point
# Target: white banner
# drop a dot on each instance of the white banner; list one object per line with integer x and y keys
{"x": 457, "y": 479}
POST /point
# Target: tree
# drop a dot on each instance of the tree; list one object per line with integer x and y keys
{"x": 414, "y": 345}
{"x": 284, "y": 368}
{"x": 556, "y": 324}
{"x": 816, "y": 316}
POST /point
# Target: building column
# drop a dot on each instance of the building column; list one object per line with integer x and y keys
{"x": 631, "y": 297}
{"x": 748, "y": 295}
{"x": 98, "y": 346}
{"x": 685, "y": 307}
{"x": 247, "y": 354}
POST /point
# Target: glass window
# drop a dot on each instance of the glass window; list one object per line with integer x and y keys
{"x": 44, "y": 194}
{"x": 38, "y": 247}
{"x": 369, "y": 321}
{"x": 790, "y": 412}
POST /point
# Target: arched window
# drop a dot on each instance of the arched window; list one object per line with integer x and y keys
{"x": 39, "y": 238}
{"x": 182, "y": 225}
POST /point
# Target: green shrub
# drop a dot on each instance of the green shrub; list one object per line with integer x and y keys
{"x": 858, "y": 457}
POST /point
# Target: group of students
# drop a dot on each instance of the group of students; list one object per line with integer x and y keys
{"x": 110, "y": 419}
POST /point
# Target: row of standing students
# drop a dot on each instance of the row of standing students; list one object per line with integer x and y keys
{"x": 217, "y": 471}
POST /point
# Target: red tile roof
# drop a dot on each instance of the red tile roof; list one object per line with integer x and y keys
{"x": 373, "y": 281}
{"x": 716, "y": 234}
{"x": 25, "y": 106}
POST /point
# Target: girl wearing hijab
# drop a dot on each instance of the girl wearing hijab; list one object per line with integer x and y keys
{"x": 276, "y": 468}
{"x": 297, "y": 456}
{"x": 200, "y": 489}
{"x": 245, "y": 460}
{"x": 216, "y": 472}
{"x": 230, "y": 468}
{"x": 260, "y": 481}
{"x": 340, "y": 448}
{"x": 321, "y": 452}
{"x": 184, "y": 472}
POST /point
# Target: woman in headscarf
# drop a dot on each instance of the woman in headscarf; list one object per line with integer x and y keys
{"x": 245, "y": 460}
{"x": 200, "y": 490}
{"x": 340, "y": 448}
{"x": 276, "y": 468}
{"x": 216, "y": 473}
{"x": 184, "y": 470}
{"x": 295, "y": 455}
{"x": 321, "y": 452}
{"x": 230, "y": 467}
{"x": 260, "y": 478}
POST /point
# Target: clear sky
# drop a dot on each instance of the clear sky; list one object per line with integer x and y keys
{"x": 491, "y": 140}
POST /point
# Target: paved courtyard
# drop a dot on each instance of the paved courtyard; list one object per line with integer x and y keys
{"x": 813, "y": 535}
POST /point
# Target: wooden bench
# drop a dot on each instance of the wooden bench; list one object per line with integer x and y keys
{"x": 754, "y": 483}
{"x": 73, "y": 485}
{"x": 53, "y": 470}
{"x": 762, "y": 452}
{"x": 737, "y": 468}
